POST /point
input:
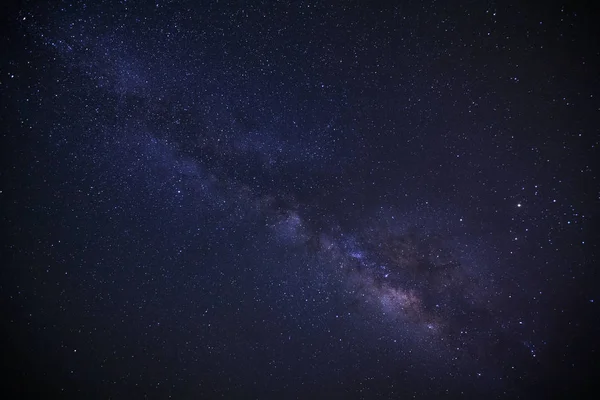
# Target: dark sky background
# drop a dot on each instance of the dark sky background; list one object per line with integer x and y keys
{"x": 280, "y": 200}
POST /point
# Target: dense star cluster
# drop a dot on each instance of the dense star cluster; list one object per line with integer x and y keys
{"x": 299, "y": 200}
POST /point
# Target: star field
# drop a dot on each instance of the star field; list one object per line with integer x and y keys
{"x": 299, "y": 200}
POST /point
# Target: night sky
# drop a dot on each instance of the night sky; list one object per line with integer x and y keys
{"x": 304, "y": 200}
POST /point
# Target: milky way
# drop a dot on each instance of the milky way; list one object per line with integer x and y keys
{"x": 298, "y": 200}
